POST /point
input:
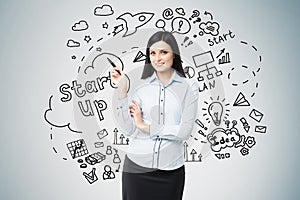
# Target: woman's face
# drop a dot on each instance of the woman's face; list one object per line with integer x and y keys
{"x": 161, "y": 56}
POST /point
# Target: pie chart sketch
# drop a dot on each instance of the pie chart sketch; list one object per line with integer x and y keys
{"x": 189, "y": 72}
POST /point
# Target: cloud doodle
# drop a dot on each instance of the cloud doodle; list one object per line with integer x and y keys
{"x": 104, "y": 10}
{"x": 53, "y": 120}
{"x": 80, "y": 26}
{"x": 210, "y": 28}
{"x": 73, "y": 43}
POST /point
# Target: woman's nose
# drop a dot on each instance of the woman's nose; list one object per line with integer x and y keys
{"x": 157, "y": 57}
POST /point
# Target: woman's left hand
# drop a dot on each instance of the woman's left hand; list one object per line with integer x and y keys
{"x": 136, "y": 113}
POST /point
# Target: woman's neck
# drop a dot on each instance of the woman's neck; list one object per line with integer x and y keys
{"x": 165, "y": 77}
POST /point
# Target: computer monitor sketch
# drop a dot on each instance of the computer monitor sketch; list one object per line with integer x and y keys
{"x": 201, "y": 61}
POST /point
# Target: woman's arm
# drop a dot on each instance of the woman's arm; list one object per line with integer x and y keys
{"x": 123, "y": 117}
{"x": 136, "y": 113}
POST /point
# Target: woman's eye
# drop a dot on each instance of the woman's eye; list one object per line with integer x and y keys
{"x": 164, "y": 52}
{"x": 152, "y": 53}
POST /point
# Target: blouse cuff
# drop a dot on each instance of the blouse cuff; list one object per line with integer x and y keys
{"x": 155, "y": 130}
{"x": 122, "y": 104}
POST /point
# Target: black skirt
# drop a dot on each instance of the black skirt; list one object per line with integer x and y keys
{"x": 140, "y": 183}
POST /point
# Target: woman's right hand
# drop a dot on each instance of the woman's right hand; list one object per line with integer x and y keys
{"x": 120, "y": 80}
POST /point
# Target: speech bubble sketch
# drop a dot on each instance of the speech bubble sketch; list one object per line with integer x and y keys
{"x": 209, "y": 27}
{"x": 72, "y": 43}
{"x": 133, "y": 22}
{"x": 61, "y": 124}
{"x": 80, "y": 26}
{"x": 160, "y": 24}
{"x": 104, "y": 10}
{"x": 168, "y": 14}
{"x": 180, "y": 25}
{"x": 180, "y": 11}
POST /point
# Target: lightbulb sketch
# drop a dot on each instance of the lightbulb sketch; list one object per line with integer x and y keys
{"x": 216, "y": 111}
{"x": 202, "y": 61}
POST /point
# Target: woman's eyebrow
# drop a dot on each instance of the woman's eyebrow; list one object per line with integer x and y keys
{"x": 161, "y": 49}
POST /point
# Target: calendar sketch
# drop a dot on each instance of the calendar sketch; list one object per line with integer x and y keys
{"x": 77, "y": 148}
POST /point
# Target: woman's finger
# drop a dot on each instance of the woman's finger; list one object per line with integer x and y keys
{"x": 132, "y": 107}
{"x": 136, "y": 104}
{"x": 115, "y": 73}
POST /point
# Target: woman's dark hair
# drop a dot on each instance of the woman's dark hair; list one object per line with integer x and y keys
{"x": 170, "y": 40}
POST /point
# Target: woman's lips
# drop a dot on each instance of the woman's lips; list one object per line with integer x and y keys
{"x": 159, "y": 64}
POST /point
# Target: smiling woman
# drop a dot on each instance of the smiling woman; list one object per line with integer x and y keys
{"x": 161, "y": 56}
{"x": 160, "y": 115}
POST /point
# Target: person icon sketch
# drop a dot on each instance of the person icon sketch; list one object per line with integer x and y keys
{"x": 108, "y": 173}
{"x": 108, "y": 150}
{"x": 159, "y": 115}
{"x": 116, "y": 158}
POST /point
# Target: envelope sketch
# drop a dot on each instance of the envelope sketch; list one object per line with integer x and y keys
{"x": 256, "y": 115}
{"x": 260, "y": 129}
{"x": 101, "y": 134}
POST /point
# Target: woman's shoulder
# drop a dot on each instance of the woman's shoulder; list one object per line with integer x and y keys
{"x": 189, "y": 81}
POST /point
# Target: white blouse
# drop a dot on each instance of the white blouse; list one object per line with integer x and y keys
{"x": 170, "y": 111}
